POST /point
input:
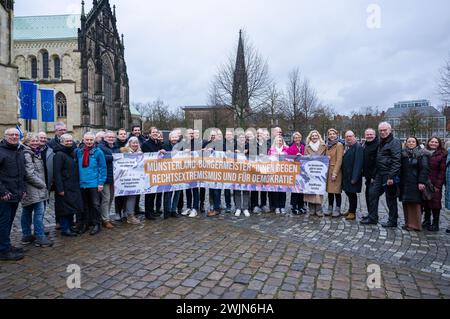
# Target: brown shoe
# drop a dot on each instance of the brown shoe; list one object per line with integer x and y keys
{"x": 350, "y": 216}
{"x": 345, "y": 214}
{"x": 108, "y": 225}
{"x": 212, "y": 213}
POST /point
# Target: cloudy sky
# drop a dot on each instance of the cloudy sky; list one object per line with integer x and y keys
{"x": 353, "y": 59}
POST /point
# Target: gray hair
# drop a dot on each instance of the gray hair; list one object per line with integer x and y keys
{"x": 370, "y": 130}
{"x": 385, "y": 124}
{"x": 7, "y": 131}
{"x": 65, "y": 137}
{"x": 350, "y": 131}
{"x": 60, "y": 125}
{"x": 29, "y": 137}
{"x": 109, "y": 132}
{"x": 89, "y": 134}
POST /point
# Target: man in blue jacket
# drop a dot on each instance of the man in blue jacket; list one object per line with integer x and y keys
{"x": 93, "y": 173}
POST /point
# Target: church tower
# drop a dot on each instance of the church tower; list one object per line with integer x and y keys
{"x": 240, "y": 99}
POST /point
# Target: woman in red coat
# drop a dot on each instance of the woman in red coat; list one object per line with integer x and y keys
{"x": 437, "y": 166}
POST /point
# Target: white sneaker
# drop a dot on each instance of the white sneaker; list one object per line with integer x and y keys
{"x": 193, "y": 213}
{"x": 283, "y": 211}
{"x": 266, "y": 209}
{"x": 246, "y": 213}
{"x": 238, "y": 213}
{"x": 257, "y": 210}
{"x": 186, "y": 212}
{"x": 133, "y": 220}
{"x": 277, "y": 211}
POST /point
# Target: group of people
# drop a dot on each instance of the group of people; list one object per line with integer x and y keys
{"x": 81, "y": 177}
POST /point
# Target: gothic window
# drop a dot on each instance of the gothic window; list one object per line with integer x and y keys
{"x": 61, "y": 103}
{"x": 57, "y": 65}
{"x": 45, "y": 65}
{"x": 33, "y": 68}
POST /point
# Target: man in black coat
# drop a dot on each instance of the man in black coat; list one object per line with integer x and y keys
{"x": 136, "y": 131}
{"x": 12, "y": 191}
{"x": 387, "y": 177}
{"x": 153, "y": 145}
{"x": 370, "y": 158}
{"x": 121, "y": 140}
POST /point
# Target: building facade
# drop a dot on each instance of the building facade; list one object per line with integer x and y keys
{"x": 211, "y": 116}
{"x": 82, "y": 58}
{"x": 416, "y": 118}
{"x": 8, "y": 71}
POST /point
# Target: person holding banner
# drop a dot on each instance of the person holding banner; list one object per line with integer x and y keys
{"x": 229, "y": 146}
{"x": 335, "y": 152}
{"x": 215, "y": 195}
{"x": 297, "y": 149}
{"x": 171, "y": 198}
{"x": 263, "y": 145}
{"x": 68, "y": 199}
{"x": 192, "y": 195}
{"x": 241, "y": 198}
{"x": 133, "y": 147}
{"x": 153, "y": 145}
{"x": 119, "y": 202}
{"x": 315, "y": 146}
{"x": 93, "y": 173}
{"x": 279, "y": 199}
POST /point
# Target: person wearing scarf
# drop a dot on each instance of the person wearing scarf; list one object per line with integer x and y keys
{"x": 93, "y": 173}
{"x": 414, "y": 177}
{"x": 335, "y": 152}
{"x": 278, "y": 199}
{"x": 315, "y": 146}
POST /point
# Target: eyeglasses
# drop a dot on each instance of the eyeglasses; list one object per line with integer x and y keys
{"x": 13, "y": 134}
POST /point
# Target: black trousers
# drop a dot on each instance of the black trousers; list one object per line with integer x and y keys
{"x": 297, "y": 201}
{"x": 368, "y": 187}
{"x": 91, "y": 215}
{"x": 119, "y": 204}
{"x": 150, "y": 201}
{"x": 353, "y": 201}
{"x": 255, "y": 200}
{"x": 377, "y": 189}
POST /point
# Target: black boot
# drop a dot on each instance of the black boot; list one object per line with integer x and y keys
{"x": 426, "y": 219}
{"x": 95, "y": 230}
{"x": 435, "y": 226}
{"x": 150, "y": 216}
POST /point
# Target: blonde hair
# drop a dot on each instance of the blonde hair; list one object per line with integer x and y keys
{"x": 332, "y": 130}
{"x": 308, "y": 139}
{"x": 296, "y": 134}
{"x": 274, "y": 144}
{"x": 29, "y": 137}
{"x": 131, "y": 140}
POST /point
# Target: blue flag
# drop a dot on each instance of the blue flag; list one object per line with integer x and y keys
{"x": 48, "y": 105}
{"x": 20, "y": 131}
{"x": 28, "y": 98}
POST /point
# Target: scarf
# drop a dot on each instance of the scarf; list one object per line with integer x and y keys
{"x": 86, "y": 151}
{"x": 315, "y": 146}
{"x": 38, "y": 152}
{"x": 331, "y": 143}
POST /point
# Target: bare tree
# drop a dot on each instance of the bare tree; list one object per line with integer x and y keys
{"x": 323, "y": 118}
{"x": 308, "y": 102}
{"x": 257, "y": 78}
{"x": 273, "y": 106}
{"x": 412, "y": 122}
{"x": 444, "y": 81}
{"x": 293, "y": 99}
{"x": 144, "y": 110}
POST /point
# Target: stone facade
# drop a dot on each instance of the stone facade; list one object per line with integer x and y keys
{"x": 211, "y": 116}
{"x": 8, "y": 72}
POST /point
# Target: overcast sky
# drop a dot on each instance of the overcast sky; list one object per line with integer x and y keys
{"x": 174, "y": 47}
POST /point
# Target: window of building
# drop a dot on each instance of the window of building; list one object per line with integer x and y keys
{"x": 45, "y": 73}
{"x": 33, "y": 68}
{"x": 61, "y": 103}
{"x": 57, "y": 65}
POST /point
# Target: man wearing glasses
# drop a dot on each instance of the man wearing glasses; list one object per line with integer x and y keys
{"x": 12, "y": 191}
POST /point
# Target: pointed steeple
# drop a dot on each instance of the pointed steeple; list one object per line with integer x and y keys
{"x": 94, "y": 3}
{"x": 82, "y": 9}
{"x": 240, "y": 98}
{"x": 114, "y": 11}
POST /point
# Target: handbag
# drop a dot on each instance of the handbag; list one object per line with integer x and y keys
{"x": 428, "y": 192}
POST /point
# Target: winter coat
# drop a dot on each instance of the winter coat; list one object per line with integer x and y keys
{"x": 437, "y": 164}
{"x": 295, "y": 150}
{"x": 141, "y": 139}
{"x": 315, "y": 199}
{"x": 336, "y": 154}
{"x": 118, "y": 144}
{"x": 94, "y": 175}
{"x": 389, "y": 157}
{"x": 352, "y": 169}
{"x": 67, "y": 181}
{"x": 152, "y": 146}
{"x": 35, "y": 178}
{"x": 47, "y": 157}
{"x": 12, "y": 171}
{"x": 415, "y": 170}
{"x": 370, "y": 158}
{"x": 274, "y": 151}
{"x": 447, "y": 184}
{"x": 108, "y": 152}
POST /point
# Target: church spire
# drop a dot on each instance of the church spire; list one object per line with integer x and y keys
{"x": 83, "y": 14}
{"x": 240, "y": 99}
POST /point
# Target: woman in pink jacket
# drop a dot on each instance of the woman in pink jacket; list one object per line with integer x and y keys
{"x": 279, "y": 147}
{"x": 297, "y": 149}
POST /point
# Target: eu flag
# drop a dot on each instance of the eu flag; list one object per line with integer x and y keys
{"x": 48, "y": 105}
{"x": 28, "y": 98}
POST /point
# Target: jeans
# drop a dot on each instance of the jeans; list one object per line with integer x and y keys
{"x": 38, "y": 220}
{"x": 92, "y": 214}
{"x": 353, "y": 201}
{"x": 192, "y": 198}
{"x": 107, "y": 196}
{"x": 171, "y": 202}
{"x": 242, "y": 199}
{"x": 150, "y": 207}
{"x": 130, "y": 205}
{"x": 376, "y": 190}
{"x": 215, "y": 195}
{"x": 7, "y": 215}
{"x": 228, "y": 198}
{"x": 65, "y": 222}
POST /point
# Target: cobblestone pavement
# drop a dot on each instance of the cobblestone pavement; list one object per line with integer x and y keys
{"x": 263, "y": 256}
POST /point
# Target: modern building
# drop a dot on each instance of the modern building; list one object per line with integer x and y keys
{"x": 81, "y": 57}
{"x": 8, "y": 71}
{"x": 416, "y": 118}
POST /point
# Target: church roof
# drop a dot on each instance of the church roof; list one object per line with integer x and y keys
{"x": 133, "y": 110}
{"x": 52, "y": 27}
